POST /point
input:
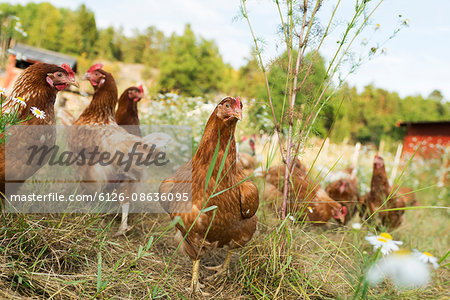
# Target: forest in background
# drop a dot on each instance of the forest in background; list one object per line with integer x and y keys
{"x": 193, "y": 66}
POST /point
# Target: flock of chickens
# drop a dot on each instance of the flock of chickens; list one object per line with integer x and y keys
{"x": 224, "y": 208}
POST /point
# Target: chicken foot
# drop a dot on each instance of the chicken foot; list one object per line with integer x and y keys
{"x": 220, "y": 269}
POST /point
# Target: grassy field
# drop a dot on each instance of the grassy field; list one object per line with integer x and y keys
{"x": 69, "y": 256}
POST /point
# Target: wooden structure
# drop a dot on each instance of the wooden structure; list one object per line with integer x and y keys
{"x": 433, "y": 138}
{"x": 22, "y": 56}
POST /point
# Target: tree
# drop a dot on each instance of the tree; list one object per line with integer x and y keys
{"x": 193, "y": 68}
{"x": 44, "y": 30}
{"x": 88, "y": 29}
{"x": 436, "y": 95}
{"x": 105, "y": 45}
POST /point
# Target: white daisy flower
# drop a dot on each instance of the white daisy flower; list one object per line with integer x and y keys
{"x": 404, "y": 270}
{"x": 3, "y": 91}
{"x": 383, "y": 241}
{"x": 356, "y": 226}
{"x": 20, "y": 101}
{"x": 426, "y": 257}
{"x": 38, "y": 113}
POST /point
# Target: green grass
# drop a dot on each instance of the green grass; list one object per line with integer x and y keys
{"x": 68, "y": 256}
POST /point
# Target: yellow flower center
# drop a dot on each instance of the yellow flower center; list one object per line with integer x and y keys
{"x": 38, "y": 112}
{"x": 20, "y": 98}
{"x": 428, "y": 254}
{"x": 382, "y": 240}
{"x": 386, "y": 236}
{"x": 402, "y": 251}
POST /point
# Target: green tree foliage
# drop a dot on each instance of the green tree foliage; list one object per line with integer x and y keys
{"x": 373, "y": 114}
{"x": 252, "y": 84}
{"x": 88, "y": 29}
{"x": 58, "y": 29}
{"x": 191, "y": 66}
{"x": 368, "y": 116}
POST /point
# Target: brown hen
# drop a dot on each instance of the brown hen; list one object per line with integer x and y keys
{"x": 127, "y": 111}
{"x": 233, "y": 222}
{"x": 275, "y": 174}
{"x": 345, "y": 191}
{"x": 376, "y": 199}
{"x": 246, "y": 162}
{"x": 306, "y": 200}
{"x": 37, "y": 86}
{"x": 101, "y": 132}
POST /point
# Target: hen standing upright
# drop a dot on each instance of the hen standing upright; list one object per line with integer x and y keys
{"x": 235, "y": 221}
{"x": 379, "y": 192}
{"x": 127, "y": 112}
{"x": 33, "y": 92}
{"x": 106, "y": 136}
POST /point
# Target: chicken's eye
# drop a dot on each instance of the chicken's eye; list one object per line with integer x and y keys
{"x": 59, "y": 74}
{"x": 227, "y": 105}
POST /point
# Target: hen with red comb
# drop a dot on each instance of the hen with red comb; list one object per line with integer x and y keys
{"x": 69, "y": 71}
{"x": 38, "y": 85}
{"x": 127, "y": 110}
{"x": 381, "y": 197}
{"x": 94, "y": 68}
{"x": 233, "y": 222}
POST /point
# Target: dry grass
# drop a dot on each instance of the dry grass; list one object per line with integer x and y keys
{"x": 76, "y": 256}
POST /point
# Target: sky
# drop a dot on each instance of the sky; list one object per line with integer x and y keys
{"x": 416, "y": 61}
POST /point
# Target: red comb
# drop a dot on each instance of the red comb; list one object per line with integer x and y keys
{"x": 238, "y": 103}
{"x": 69, "y": 71}
{"x": 344, "y": 210}
{"x": 95, "y": 67}
{"x": 141, "y": 89}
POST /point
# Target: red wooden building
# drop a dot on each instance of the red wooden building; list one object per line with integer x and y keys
{"x": 21, "y": 56}
{"x": 432, "y": 137}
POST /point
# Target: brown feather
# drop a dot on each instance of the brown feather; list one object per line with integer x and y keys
{"x": 101, "y": 109}
{"x": 235, "y": 220}
{"x": 31, "y": 85}
{"x": 305, "y": 199}
{"x": 127, "y": 112}
{"x": 379, "y": 192}
{"x": 345, "y": 191}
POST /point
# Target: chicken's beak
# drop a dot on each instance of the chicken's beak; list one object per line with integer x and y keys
{"x": 237, "y": 114}
{"x": 342, "y": 219}
{"x": 85, "y": 76}
{"x": 75, "y": 83}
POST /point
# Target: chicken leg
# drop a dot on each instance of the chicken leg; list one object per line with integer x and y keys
{"x": 220, "y": 268}
{"x": 124, "y": 224}
{"x": 195, "y": 285}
